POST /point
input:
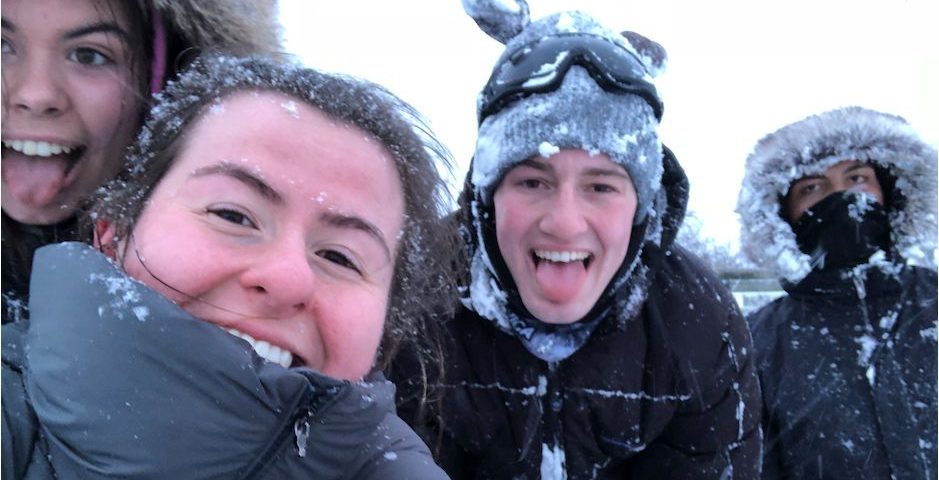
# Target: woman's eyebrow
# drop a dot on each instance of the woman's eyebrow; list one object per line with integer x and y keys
{"x": 356, "y": 223}
{"x": 244, "y": 176}
{"x": 100, "y": 27}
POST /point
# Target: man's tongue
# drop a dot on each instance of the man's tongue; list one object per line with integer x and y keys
{"x": 34, "y": 181}
{"x": 560, "y": 282}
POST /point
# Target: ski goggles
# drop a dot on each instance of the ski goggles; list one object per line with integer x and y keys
{"x": 541, "y": 68}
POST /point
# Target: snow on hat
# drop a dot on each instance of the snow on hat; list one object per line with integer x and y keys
{"x": 579, "y": 114}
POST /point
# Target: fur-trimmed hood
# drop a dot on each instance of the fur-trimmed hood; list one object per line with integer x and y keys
{"x": 238, "y": 27}
{"x": 812, "y": 145}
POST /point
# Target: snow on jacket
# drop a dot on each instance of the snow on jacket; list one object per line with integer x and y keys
{"x": 237, "y": 27}
{"x": 666, "y": 391}
{"x": 114, "y": 380}
{"x": 847, "y": 362}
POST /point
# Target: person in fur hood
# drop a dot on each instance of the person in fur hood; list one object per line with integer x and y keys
{"x": 842, "y": 205}
{"x": 77, "y": 79}
{"x": 587, "y": 344}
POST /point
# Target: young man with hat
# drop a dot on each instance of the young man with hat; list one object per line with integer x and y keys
{"x": 587, "y": 344}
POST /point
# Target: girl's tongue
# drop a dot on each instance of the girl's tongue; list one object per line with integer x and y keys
{"x": 35, "y": 181}
{"x": 560, "y": 281}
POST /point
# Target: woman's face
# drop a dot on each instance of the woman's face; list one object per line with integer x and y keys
{"x": 563, "y": 225}
{"x": 70, "y": 104}
{"x": 279, "y": 225}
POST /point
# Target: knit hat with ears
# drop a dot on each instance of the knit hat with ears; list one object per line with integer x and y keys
{"x": 577, "y": 115}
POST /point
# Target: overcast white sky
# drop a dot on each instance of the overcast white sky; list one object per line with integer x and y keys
{"x": 737, "y": 69}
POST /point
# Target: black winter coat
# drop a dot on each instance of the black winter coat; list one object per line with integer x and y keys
{"x": 847, "y": 362}
{"x": 672, "y": 394}
{"x": 110, "y": 379}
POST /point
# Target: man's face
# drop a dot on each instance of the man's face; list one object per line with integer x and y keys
{"x": 847, "y": 175}
{"x": 563, "y": 226}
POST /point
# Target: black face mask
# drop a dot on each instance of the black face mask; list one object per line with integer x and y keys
{"x": 842, "y": 230}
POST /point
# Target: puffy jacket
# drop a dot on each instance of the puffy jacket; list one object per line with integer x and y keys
{"x": 847, "y": 361}
{"x": 114, "y": 380}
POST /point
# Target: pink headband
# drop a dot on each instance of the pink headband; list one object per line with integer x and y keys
{"x": 158, "y": 66}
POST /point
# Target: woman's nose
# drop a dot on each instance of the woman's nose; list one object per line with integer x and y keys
{"x": 281, "y": 279}
{"x": 34, "y": 87}
{"x": 564, "y": 215}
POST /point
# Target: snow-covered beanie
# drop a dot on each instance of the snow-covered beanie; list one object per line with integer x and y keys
{"x": 578, "y": 115}
{"x": 812, "y": 145}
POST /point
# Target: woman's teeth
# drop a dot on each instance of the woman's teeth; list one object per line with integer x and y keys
{"x": 39, "y": 149}
{"x": 562, "y": 257}
{"x": 271, "y": 353}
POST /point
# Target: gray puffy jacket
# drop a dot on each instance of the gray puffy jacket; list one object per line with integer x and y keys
{"x": 110, "y": 379}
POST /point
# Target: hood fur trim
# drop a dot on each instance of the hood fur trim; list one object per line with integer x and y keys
{"x": 236, "y": 27}
{"x": 812, "y": 145}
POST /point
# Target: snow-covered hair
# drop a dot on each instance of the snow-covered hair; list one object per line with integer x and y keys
{"x": 812, "y": 145}
{"x": 420, "y": 283}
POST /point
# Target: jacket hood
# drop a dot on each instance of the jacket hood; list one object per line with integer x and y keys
{"x": 238, "y": 27}
{"x": 491, "y": 292}
{"x": 814, "y": 144}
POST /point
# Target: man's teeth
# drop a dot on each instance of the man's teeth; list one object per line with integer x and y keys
{"x": 563, "y": 257}
{"x": 271, "y": 353}
{"x": 39, "y": 149}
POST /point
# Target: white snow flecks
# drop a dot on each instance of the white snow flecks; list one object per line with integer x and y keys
{"x": 546, "y": 149}
{"x": 929, "y": 334}
{"x": 125, "y": 295}
{"x": 546, "y": 73}
{"x": 553, "y": 463}
{"x": 889, "y": 320}
{"x": 868, "y": 344}
{"x": 532, "y": 391}
{"x": 291, "y": 107}
{"x": 633, "y": 395}
{"x": 141, "y": 312}
{"x": 862, "y": 204}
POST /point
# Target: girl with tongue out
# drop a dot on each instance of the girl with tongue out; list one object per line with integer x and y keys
{"x": 77, "y": 76}
{"x": 587, "y": 344}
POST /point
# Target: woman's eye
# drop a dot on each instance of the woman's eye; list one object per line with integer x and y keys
{"x": 233, "y": 216}
{"x": 339, "y": 259}
{"x": 532, "y": 183}
{"x": 88, "y": 56}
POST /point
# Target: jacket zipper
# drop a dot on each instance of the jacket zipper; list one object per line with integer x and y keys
{"x": 290, "y": 428}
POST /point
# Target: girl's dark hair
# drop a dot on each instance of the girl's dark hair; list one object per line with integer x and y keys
{"x": 421, "y": 283}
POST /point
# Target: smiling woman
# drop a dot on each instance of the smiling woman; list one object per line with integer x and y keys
{"x": 75, "y": 85}
{"x": 250, "y": 281}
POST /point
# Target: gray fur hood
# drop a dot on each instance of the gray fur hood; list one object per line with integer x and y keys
{"x": 237, "y": 27}
{"x": 812, "y": 145}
